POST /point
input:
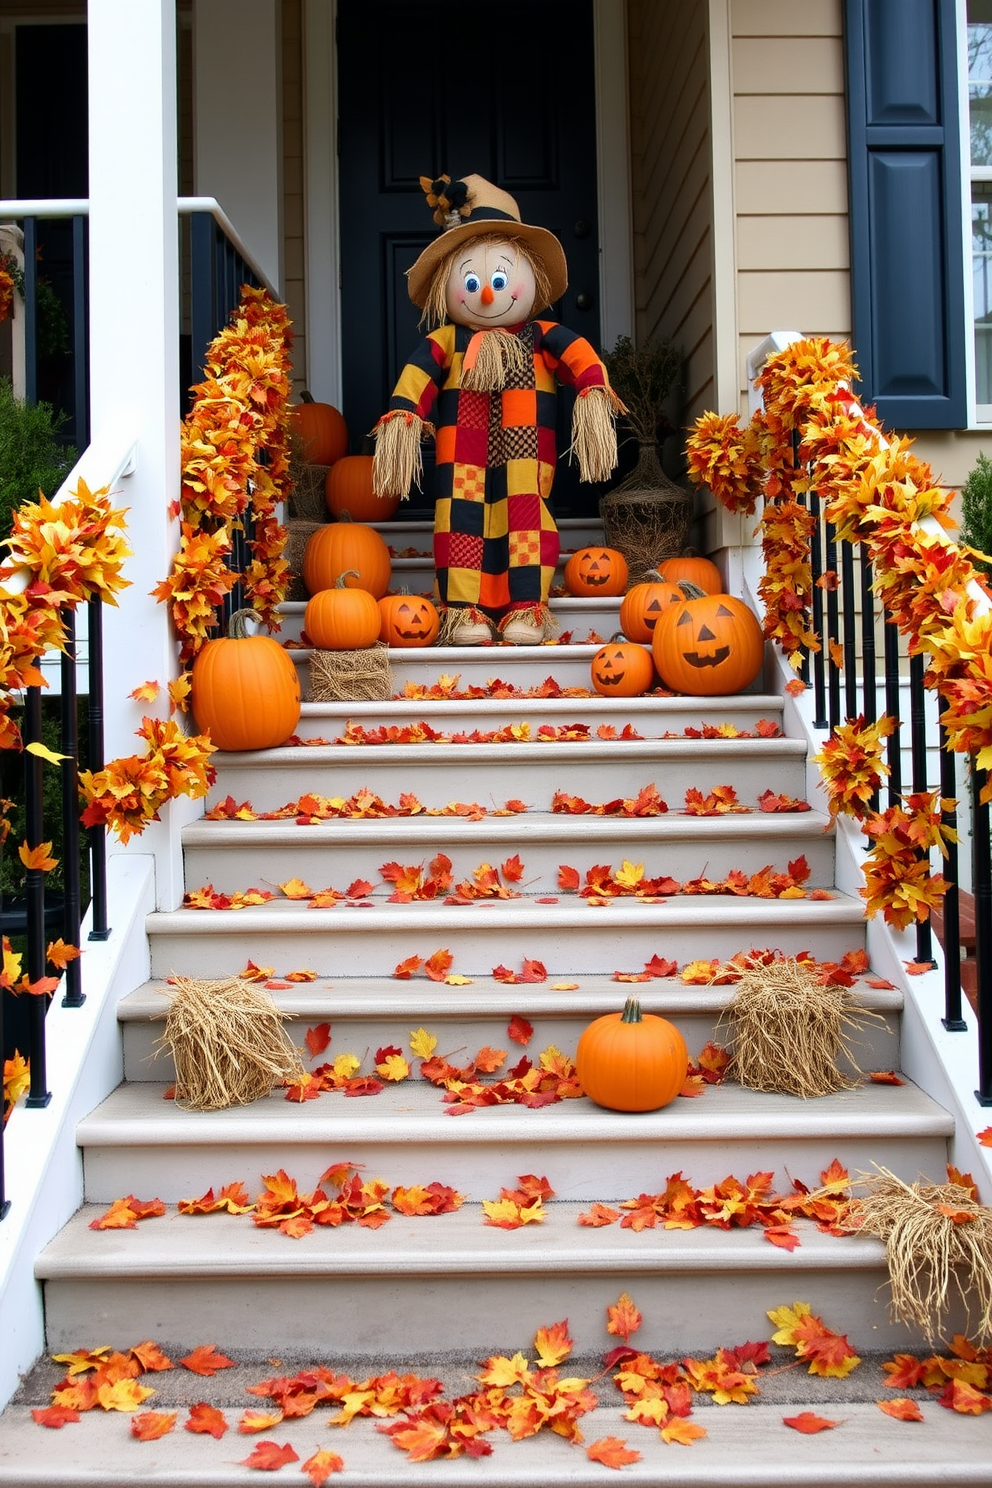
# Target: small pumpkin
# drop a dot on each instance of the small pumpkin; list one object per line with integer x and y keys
{"x": 321, "y": 430}
{"x": 695, "y": 569}
{"x": 709, "y": 645}
{"x": 245, "y": 689}
{"x": 641, "y": 606}
{"x": 408, "y": 620}
{"x": 342, "y": 619}
{"x": 631, "y": 1061}
{"x": 348, "y": 488}
{"x": 596, "y": 572}
{"x": 622, "y": 669}
{"x": 337, "y": 547}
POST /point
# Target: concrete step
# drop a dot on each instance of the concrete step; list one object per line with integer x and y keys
{"x": 569, "y": 936}
{"x": 522, "y": 666}
{"x": 337, "y": 852}
{"x": 367, "y": 1014}
{"x": 595, "y": 769}
{"x": 449, "y": 1282}
{"x": 137, "y": 1142}
{"x": 744, "y": 1448}
{"x": 652, "y": 717}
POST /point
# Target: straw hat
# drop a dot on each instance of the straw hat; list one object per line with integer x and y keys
{"x": 471, "y": 206}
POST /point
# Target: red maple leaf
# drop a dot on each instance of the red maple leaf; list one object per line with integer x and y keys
{"x": 269, "y": 1455}
{"x": 317, "y": 1038}
{"x": 519, "y": 1030}
{"x": 809, "y": 1423}
{"x": 206, "y": 1360}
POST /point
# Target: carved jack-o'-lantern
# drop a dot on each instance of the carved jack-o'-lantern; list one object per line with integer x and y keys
{"x": 622, "y": 669}
{"x": 711, "y": 644}
{"x": 642, "y": 605}
{"x": 408, "y": 620}
{"x": 596, "y": 572}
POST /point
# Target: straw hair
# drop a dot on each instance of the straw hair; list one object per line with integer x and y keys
{"x": 788, "y": 1031}
{"x": 435, "y": 300}
{"x": 930, "y": 1252}
{"x": 227, "y": 1041}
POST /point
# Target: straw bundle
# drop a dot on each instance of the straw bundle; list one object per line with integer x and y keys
{"x": 788, "y": 1031}
{"x": 934, "y": 1234}
{"x": 351, "y": 676}
{"x": 227, "y": 1041}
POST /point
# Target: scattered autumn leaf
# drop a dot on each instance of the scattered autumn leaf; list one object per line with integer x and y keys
{"x": 809, "y": 1423}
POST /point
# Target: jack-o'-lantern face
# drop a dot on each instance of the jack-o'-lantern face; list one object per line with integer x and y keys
{"x": 596, "y": 572}
{"x": 622, "y": 669}
{"x": 408, "y": 620}
{"x": 490, "y": 283}
{"x": 708, "y": 646}
{"x": 643, "y": 605}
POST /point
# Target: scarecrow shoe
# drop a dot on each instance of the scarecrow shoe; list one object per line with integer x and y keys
{"x": 464, "y": 627}
{"x": 527, "y": 627}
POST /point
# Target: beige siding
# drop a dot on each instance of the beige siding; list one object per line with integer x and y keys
{"x": 670, "y": 169}
{"x": 294, "y": 288}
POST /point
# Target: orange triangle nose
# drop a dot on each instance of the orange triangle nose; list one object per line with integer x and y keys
{"x": 487, "y": 295}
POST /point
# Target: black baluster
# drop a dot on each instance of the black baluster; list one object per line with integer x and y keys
{"x": 982, "y": 874}
{"x": 951, "y": 907}
{"x": 869, "y": 670}
{"x": 820, "y": 719}
{"x": 34, "y": 895}
{"x": 893, "y": 707}
{"x": 833, "y": 676}
{"x": 69, "y": 769}
{"x": 99, "y": 930}
{"x": 203, "y": 289}
{"x": 850, "y": 623}
{"x": 918, "y": 740}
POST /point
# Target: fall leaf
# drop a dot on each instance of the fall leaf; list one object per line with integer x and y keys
{"x": 319, "y": 1467}
{"x": 60, "y": 954}
{"x": 682, "y": 1432}
{"x": 552, "y": 1344}
{"x": 519, "y": 1030}
{"x": 55, "y": 1416}
{"x": 151, "y": 1358}
{"x": 253, "y": 1421}
{"x": 205, "y": 1359}
{"x": 809, "y": 1423}
{"x": 901, "y": 1409}
{"x": 42, "y": 751}
{"x": 985, "y": 1137}
{"x": 958, "y": 1395}
{"x": 232, "y": 1198}
{"x": 150, "y": 1425}
{"x": 147, "y": 692}
{"x": 623, "y": 1318}
{"x": 611, "y": 1451}
{"x": 884, "y": 1077}
{"x": 829, "y": 1353}
{"x": 317, "y": 1038}
{"x": 124, "y": 1214}
{"x": 37, "y": 858}
{"x": 438, "y": 965}
{"x": 122, "y": 1395}
{"x": 422, "y": 1043}
{"x": 268, "y": 1456}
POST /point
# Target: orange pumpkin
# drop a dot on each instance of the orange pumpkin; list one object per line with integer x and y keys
{"x": 348, "y": 488}
{"x": 337, "y": 547}
{"x": 622, "y": 669}
{"x": 596, "y": 572}
{"x": 631, "y": 1061}
{"x": 245, "y": 689}
{"x": 320, "y": 429}
{"x": 641, "y": 606}
{"x": 408, "y": 620}
{"x": 696, "y": 570}
{"x": 342, "y": 619}
{"x": 710, "y": 644}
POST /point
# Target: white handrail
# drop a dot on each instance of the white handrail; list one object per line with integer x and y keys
{"x": 78, "y": 206}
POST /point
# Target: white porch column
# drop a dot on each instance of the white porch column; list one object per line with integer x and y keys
{"x": 134, "y": 353}
{"x": 237, "y": 113}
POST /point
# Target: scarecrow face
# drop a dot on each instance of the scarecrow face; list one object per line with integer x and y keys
{"x": 490, "y": 284}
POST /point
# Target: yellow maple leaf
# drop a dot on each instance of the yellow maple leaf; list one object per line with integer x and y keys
{"x": 394, "y": 1067}
{"x": 38, "y": 857}
{"x": 295, "y": 888}
{"x": 146, "y": 693}
{"x": 501, "y": 1372}
{"x": 423, "y": 1043}
{"x": 122, "y": 1395}
{"x": 346, "y": 1065}
{"x": 43, "y": 752}
{"x": 455, "y": 979}
{"x": 629, "y": 874}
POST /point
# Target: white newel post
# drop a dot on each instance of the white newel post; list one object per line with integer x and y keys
{"x": 134, "y": 356}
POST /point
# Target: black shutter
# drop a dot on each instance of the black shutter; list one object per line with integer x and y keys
{"x": 907, "y": 255}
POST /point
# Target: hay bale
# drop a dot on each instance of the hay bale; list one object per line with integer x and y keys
{"x": 227, "y": 1042}
{"x": 938, "y": 1238}
{"x": 788, "y": 1031}
{"x": 298, "y": 534}
{"x": 308, "y": 499}
{"x": 363, "y": 676}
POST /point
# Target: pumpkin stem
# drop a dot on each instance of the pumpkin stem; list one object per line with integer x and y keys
{"x": 631, "y": 1011}
{"x": 349, "y": 573}
{"x": 306, "y": 397}
{"x": 237, "y": 628}
{"x": 691, "y": 590}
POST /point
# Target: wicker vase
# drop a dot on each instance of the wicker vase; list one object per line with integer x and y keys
{"x": 647, "y": 517}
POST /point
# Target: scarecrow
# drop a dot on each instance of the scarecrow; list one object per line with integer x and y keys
{"x": 483, "y": 384}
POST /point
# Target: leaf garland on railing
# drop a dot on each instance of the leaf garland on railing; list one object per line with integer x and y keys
{"x": 234, "y": 450}
{"x": 877, "y": 492}
{"x": 129, "y": 792}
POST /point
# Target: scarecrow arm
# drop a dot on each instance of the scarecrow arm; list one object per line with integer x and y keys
{"x": 594, "y": 435}
{"x": 397, "y": 463}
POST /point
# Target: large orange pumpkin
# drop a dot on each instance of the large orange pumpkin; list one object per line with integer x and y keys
{"x": 622, "y": 669}
{"x": 710, "y": 644}
{"x": 631, "y": 1061}
{"x": 641, "y": 606}
{"x": 320, "y": 429}
{"x": 348, "y": 488}
{"x": 342, "y": 619}
{"x": 245, "y": 689}
{"x": 695, "y": 569}
{"x": 337, "y": 547}
{"x": 408, "y": 620}
{"x": 596, "y": 572}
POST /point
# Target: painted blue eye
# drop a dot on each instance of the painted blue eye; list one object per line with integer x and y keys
{"x": 499, "y": 280}
{"x": 473, "y": 283}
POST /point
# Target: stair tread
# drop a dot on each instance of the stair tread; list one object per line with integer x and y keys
{"x": 338, "y": 997}
{"x": 607, "y": 751}
{"x": 412, "y": 1112}
{"x": 743, "y": 1448}
{"x": 231, "y": 1245}
{"x": 607, "y": 707}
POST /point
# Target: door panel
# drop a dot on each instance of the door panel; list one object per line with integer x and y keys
{"x": 423, "y": 89}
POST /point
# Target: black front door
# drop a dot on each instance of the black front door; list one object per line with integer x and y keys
{"x": 433, "y": 86}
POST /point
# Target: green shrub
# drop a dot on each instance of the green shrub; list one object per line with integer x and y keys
{"x": 976, "y": 509}
{"x": 31, "y": 456}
